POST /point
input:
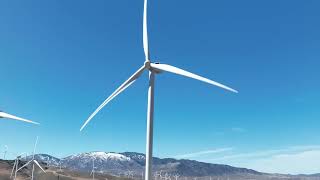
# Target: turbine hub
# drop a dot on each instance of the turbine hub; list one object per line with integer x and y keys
{"x": 147, "y": 64}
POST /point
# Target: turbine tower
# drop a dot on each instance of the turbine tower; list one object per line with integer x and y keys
{"x": 153, "y": 68}
{"x": 12, "y": 117}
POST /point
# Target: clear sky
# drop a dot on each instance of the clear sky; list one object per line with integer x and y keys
{"x": 60, "y": 59}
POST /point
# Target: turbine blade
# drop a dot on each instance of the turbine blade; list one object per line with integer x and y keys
{"x": 105, "y": 103}
{"x": 126, "y": 84}
{"x": 36, "y": 162}
{"x": 9, "y": 116}
{"x": 35, "y": 146}
{"x": 24, "y": 165}
{"x": 145, "y": 30}
{"x": 175, "y": 70}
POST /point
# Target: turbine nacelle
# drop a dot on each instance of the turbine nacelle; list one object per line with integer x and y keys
{"x": 148, "y": 65}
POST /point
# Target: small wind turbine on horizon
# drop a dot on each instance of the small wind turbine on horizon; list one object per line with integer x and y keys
{"x": 12, "y": 117}
{"x": 167, "y": 176}
{"x": 129, "y": 174}
{"x": 176, "y": 176}
{"x": 5, "y": 151}
{"x": 33, "y": 161}
{"x": 157, "y": 174}
{"x": 93, "y": 170}
{"x": 60, "y": 164}
{"x": 153, "y": 68}
{"x": 48, "y": 161}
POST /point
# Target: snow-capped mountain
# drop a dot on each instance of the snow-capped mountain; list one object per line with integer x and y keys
{"x": 122, "y": 163}
{"x": 44, "y": 158}
{"x": 100, "y": 156}
{"x": 113, "y": 163}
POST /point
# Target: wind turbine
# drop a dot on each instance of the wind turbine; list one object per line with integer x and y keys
{"x": 48, "y": 161}
{"x": 5, "y": 152}
{"x": 158, "y": 174}
{"x": 129, "y": 174}
{"x": 12, "y": 117}
{"x": 16, "y": 166}
{"x": 176, "y": 176}
{"x": 33, "y": 161}
{"x": 93, "y": 170}
{"x": 153, "y": 68}
{"x": 167, "y": 176}
{"x": 60, "y": 165}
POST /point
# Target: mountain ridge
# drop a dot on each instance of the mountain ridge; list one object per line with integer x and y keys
{"x": 125, "y": 162}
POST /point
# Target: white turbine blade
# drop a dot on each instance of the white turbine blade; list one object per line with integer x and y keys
{"x": 35, "y": 146}
{"x": 172, "y": 69}
{"x": 126, "y": 84}
{"x": 105, "y": 103}
{"x": 24, "y": 165}
{"x": 9, "y": 116}
{"x": 36, "y": 162}
{"x": 145, "y": 30}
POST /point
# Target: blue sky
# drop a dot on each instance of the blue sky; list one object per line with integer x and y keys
{"x": 61, "y": 59}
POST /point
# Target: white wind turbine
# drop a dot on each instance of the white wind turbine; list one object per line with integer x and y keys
{"x": 12, "y": 117}
{"x": 93, "y": 170}
{"x": 33, "y": 161}
{"x": 60, "y": 164}
{"x": 153, "y": 68}
{"x": 158, "y": 174}
{"x": 176, "y": 176}
{"x": 5, "y": 152}
{"x": 16, "y": 166}
{"x": 167, "y": 176}
{"x": 129, "y": 174}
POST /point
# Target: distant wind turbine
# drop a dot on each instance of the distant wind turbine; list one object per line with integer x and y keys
{"x": 9, "y": 116}
{"x": 167, "y": 176}
{"x": 153, "y": 68}
{"x": 47, "y": 161}
{"x": 176, "y": 176}
{"x": 93, "y": 170}
{"x": 16, "y": 166}
{"x": 129, "y": 174}
{"x": 60, "y": 163}
{"x": 33, "y": 161}
{"x": 5, "y": 152}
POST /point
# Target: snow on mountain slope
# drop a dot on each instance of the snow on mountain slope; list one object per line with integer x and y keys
{"x": 44, "y": 158}
{"x": 114, "y": 163}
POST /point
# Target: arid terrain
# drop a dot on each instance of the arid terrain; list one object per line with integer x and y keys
{"x": 54, "y": 173}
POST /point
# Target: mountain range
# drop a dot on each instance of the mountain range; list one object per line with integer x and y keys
{"x": 133, "y": 163}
